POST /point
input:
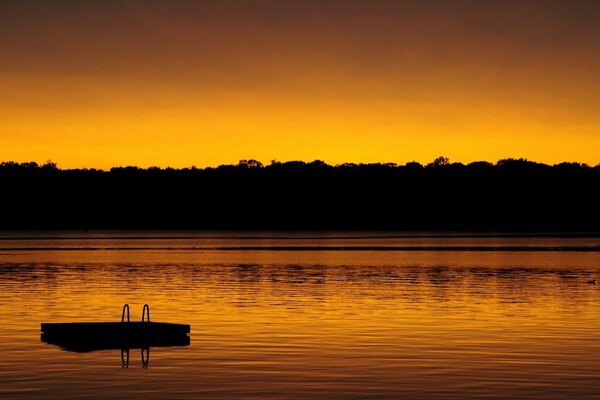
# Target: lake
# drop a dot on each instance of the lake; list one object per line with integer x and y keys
{"x": 340, "y": 315}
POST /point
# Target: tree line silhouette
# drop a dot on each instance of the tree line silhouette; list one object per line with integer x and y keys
{"x": 510, "y": 195}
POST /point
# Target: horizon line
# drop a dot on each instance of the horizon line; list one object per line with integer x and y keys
{"x": 254, "y": 163}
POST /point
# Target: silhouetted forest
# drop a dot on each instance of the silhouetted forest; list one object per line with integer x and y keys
{"x": 511, "y": 195}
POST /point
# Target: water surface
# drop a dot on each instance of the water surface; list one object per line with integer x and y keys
{"x": 292, "y": 316}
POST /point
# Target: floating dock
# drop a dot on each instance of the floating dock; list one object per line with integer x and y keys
{"x": 90, "y": 336}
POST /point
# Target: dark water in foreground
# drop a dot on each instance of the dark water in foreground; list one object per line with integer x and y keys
{"x": 280, "y": 316}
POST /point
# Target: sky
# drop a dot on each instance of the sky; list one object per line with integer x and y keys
{"x": 181, "y": 83}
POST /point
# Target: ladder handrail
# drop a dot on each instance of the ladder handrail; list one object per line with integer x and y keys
{"x": 146, "y": 310}
{"x": 126, "y": 306}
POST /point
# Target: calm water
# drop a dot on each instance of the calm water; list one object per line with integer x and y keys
{"x": 282, "y": 316}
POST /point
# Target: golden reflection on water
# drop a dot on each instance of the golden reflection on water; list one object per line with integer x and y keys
{"x": 343, "y": 324}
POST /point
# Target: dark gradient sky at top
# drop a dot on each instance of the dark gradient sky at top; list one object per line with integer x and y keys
{"x": 102, "y": 83}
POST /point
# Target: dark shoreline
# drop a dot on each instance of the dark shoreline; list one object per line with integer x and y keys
{"x": 593, "y": 249}
{"x": 513, "y": 196}
{"x": 297, "y": 235}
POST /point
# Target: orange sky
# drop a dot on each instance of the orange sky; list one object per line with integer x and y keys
{"x": 181, "y": 83}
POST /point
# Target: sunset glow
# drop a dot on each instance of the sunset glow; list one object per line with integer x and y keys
{"x": 100, "y": 84}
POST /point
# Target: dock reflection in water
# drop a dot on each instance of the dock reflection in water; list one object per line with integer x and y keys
{"x": 76, "y": 346}
{"x": 85, "y": 344}
{"x": 310, "y": 324}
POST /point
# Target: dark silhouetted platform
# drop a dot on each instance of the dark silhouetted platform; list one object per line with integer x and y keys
{"x": 90, "y": 336}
